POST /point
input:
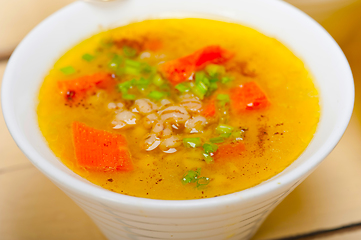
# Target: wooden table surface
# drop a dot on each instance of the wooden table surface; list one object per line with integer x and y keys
{"x": 327, "y": 205}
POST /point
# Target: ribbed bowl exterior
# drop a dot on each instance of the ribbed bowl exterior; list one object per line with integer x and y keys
{"x": 238, "y": 222}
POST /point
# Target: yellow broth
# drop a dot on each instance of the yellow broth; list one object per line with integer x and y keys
{"x": 275, "y": 135}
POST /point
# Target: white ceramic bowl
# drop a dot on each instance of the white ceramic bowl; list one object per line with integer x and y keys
{"x": 234, "y": 216}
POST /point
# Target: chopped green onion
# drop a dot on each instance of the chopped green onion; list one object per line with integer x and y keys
{"x": 216, "y": 140}
{"x": 131, "y": 70}
{"x": 192, "y": 142}
{"x": 226, "y": 135}
{"x": 199, "y": 89}
{"x": 199, "y": 76}
{"x": 115, "y": 62}
{"x": 223, "y": 97}
{"x": 202, "y": 88}
{"x": 127, "y": 96}
{"x": 124, "y": 86}
{"x": 132, "y": 63}
{"x": 214, "y": 70}
{"x": 223, "y": 128}
{"x": 226, "y": 79}
{"x": 213, "y": 86}
{"x": 68, "y": 70}
{"x": 182, "y": 87}
{"x": 213, "y": 80}
{"x": 238, "y": 135}
{"x": 207, "y": 157}
{"x": 142, "y": 83}
{"x": 146, "y": 68}
{"x": 206, "y": 82}
{"x": 210, "y": 148}
{"x": 191, "y": 176}
{"x": 156, "y": 95}
{"x": 158, "y": 80}
{"x": 202, "y": 181}
{"x": 133, "y": 67}
{"x": 87, "y": 57}
{"x": 133, "y": 82}
{"x": 129, "y": 51}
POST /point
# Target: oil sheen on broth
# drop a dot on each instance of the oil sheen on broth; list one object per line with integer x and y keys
{"x": 178, "y": 108}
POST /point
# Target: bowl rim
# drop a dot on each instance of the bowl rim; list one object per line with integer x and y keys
{"x": 85, "y": 189}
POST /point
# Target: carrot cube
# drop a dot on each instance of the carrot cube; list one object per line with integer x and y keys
{"x": 229, "y": 151}
{"x": 75, "y": 89}
{"x": 181, "y": 69}
{"x": 248, "y": 96}
{"x": 209, "y": 110}
{"x": 211, "y": 54}
{"x": 178, "y": 70}
{"x": 100, "y": 150}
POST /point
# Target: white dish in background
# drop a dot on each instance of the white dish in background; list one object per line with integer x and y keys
{"x": 234, "y": 216}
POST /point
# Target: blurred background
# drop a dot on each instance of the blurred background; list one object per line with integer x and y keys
{"x": 326, "y": 206}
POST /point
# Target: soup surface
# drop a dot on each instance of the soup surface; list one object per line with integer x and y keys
{"x": 178, "y": 108}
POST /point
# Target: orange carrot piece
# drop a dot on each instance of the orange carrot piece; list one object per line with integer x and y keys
{"x": 209, "y": 110}
{"x": 75, "y": 89}
{"x": 229, "y": 151}
{"x": 179, "y": 70}
{"x": 100, "y": 150}
{"x": 212, "y": 54}
{"x": 248, "y": 96}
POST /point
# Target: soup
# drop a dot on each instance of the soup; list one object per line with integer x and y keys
{"x": 178, "y": 108}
